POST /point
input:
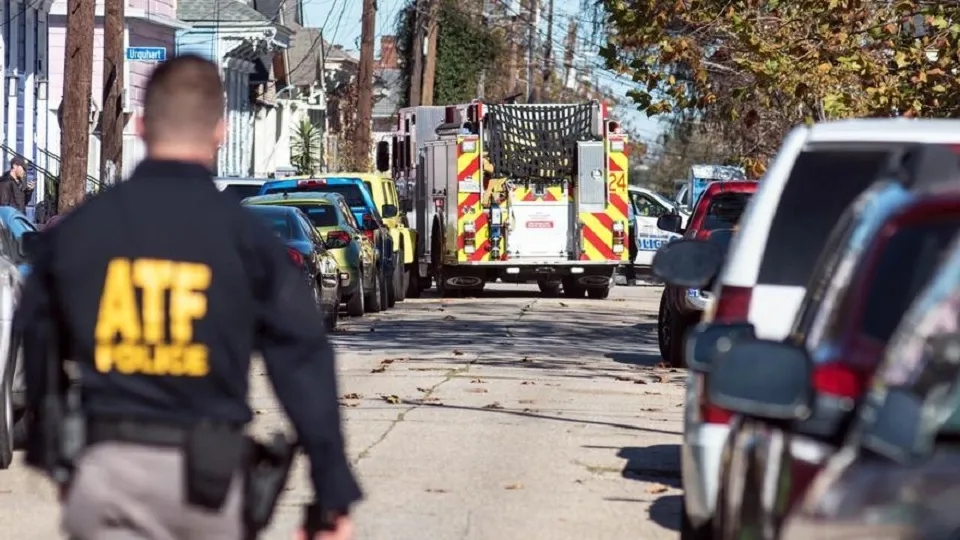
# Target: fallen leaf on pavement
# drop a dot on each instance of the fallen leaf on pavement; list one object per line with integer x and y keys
{"x": 477, "y": 390}
{"x": 348, "y": 403}
{"x": 391, "y": 399}
{"x": 478, "y": 381}
{"x": 352, "y": 395}
{"x": 391, "y": 360}
{"x": 562, "y": 304}
{"x": 258, "y": 411}
{"x": 494, "y": 405}
{"x": 528, "y": 382}
{"x": 434, "y": 490}
{"x": 619, "y": 299}
{"x": 624, "y": 378}
{"x": 656, "y": 378}
{"x": 531, "y": 411}
{"x": 657, "y": 488}
{"x": 527, "y": 401}
{"x": 526, "y": 359}
{"x": 378, "y": 369}
{"x": 449, "y": 318}
{"x": 457, "y": 353}
{"x": 518, "y": 485}
{"x": 422, "y": 389}
{"x": 639, "y": 381}
{"x": 649, "y": 410}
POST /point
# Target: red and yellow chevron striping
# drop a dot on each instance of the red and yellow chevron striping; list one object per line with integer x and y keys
{"x": 597, "y": 227}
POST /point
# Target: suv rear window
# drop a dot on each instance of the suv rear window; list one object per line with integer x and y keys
{"x": 350, "y": 192}
{"x": 724, "y": 210}
{"x": 821, "y": 185}
{"x": 321, "y": 215}
{"x": 242, "y": 191}
{"x": 908, "y": 261}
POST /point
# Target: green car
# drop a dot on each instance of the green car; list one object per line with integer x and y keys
{"x": 355, "y": 254}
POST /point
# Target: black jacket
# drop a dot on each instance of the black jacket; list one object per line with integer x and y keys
{"x": 13, "y": 193}
{"x": 160, "y": 289}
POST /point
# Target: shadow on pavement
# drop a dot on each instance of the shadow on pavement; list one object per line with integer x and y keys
{"x": 665, "y": 511}
{"x": 659, "y": 463}
{"x": 529, "y": 414}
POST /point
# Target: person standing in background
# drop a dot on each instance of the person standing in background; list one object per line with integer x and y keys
{"x": 15, "y": 190}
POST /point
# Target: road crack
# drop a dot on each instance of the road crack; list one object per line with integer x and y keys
{"x": 414, "y": 405}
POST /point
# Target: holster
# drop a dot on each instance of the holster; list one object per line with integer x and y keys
{"x": 268, "y": 467}
{"x": 213, "y": 455}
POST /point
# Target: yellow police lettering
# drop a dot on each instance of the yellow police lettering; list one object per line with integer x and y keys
{"x": 132, "y": 339}
{"x": 118, "y": 305}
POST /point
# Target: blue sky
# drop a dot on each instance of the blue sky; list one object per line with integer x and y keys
{"x": 328, "y": 13}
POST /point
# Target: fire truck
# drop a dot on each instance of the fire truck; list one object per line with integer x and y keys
{"x": 516, "y": 192}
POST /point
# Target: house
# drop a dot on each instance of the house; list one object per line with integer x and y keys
{"x": 244, "y": 42}
{"x": 387, "y": 87}
{"x": 149, "y": 23}
{"x": 26, "y": 90}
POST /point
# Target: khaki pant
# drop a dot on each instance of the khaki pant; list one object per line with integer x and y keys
{"x": 132, "y": 492}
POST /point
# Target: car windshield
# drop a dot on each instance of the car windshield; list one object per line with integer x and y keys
{"x": 242, "y": 191}
{"x": 725, "y": 209}
{"x": 350, "y": 192}
{"x": 822, "y": 183}
{"x": 321, "y": 215}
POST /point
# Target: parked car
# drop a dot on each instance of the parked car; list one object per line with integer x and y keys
{"x": 354, "y": 252}
{"x": 357, "y": 195}
{"x": 646, "y": 207}
{"x": 309, "y": 252}
{"x": 897, "y": 476}
{"x": 818, "y": 171}
{"x": 12, "y": 390}
{"x": 882, "y": 251}
{"x": 13, "y": 225}
{"x": 719, "y": 208}
{"x": 241, "y": 188}
{"x": 406, "y": 270}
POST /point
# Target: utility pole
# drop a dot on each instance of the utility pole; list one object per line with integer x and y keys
{"x": 548, "y": 49}
{"x": 363, "y": 143}
{"x": 570, "y": 76}
{"x": 111, "y": 119}
{"x": 416, "y": 77}
{"x": 75, "y": 107}
{"x": 485, "y": 21}
{"x": 430, "y": 69}
{"x": 513, "y": 52}
{"x": 533, "y": 6}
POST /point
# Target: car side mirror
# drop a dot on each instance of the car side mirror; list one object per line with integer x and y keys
{"x": 687, "y": 263}
{"x": 389, "y": 211}
{"x": 383, "y": 156}
{"x": 29, "y": 244}
{"x": 763, "y": 379}
{"x": 709, "y": 341}
{"x": 670, "y": 223}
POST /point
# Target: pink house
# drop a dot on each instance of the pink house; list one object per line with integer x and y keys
{"x": 150, "y": 23}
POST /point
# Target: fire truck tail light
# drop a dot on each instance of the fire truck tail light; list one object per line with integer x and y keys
{"x": 469, "y": 237}
{"x": 468, "y": 147}
{"x": 469, "y": 227}
{"x": 618, "y": 237}
{"x": 618, "y": 227}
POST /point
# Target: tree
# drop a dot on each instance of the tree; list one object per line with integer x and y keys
{"x": 306, "y": 148}
{"x": 756, "y": 68}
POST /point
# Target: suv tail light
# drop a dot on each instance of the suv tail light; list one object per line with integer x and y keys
{"x": 295, "y": 256}
{"x": 838, "y": 380}
{"x": 732, "y": 305}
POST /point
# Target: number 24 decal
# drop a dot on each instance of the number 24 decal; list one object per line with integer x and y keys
{"x": 619, "y": 181}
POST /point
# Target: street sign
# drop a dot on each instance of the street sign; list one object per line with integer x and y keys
{"x": 147, "y": 54}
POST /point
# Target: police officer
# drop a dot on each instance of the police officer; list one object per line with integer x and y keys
{"x": 158, "y": 290}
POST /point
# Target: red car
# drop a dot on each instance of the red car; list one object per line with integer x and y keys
{"x": 718, "y": 209}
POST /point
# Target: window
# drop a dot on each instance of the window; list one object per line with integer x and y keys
{"x": 350, "y": 192}
{"x": 279, "y": 222}
{"x": 321, "y": 215}
{"x": 348, "y": 215}
{"x": 306, "y": 228}
{"x": 907, "y": 262}
{"x": 724, "y": 210}
{"x": 242, "y": 191}
{"x": 646, "y": 206}
{"x": 822, "y": 183}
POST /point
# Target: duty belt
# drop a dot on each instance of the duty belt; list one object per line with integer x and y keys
{"x": 137, "y": 432}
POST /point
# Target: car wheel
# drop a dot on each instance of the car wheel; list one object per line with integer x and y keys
{"x": 678, "y": 330}
{"x": 385, "y": 302}
{"x": 548, "y": 287}
{"x": 374, "y": 296}
{"x": 663, "y": 330}
{"x": 598, "y": 294}
{"x": 355, "y": 305}
{"x": 572, "y": 290}
{"x": 6, "y": 420}
{"x": 689, "y": 532}
{"x": 414, "y": 287}
{"x": 400, "y": 270}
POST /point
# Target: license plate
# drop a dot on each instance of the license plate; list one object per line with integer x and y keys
{"x": 651, "y": 244}
{"x": 693, "y": 293}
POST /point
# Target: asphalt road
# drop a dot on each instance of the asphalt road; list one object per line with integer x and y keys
{"x": 507, "y": 416}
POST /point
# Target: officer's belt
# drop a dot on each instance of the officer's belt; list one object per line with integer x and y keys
{"x": 137, "y": 432}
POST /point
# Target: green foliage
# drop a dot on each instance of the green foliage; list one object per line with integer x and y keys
{"x": 758, "y": 68}
{"x": 465, "y": 49}
{"x": 306, "y": 148}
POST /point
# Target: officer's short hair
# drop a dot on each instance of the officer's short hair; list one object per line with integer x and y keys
{"x": 184, "y": 99}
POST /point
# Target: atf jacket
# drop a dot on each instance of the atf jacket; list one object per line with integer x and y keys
{"x": 160, "y": 289}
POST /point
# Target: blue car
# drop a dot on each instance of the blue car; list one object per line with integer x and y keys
{"x": 361, "y": 203}
{"x": 13, "y": 223}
